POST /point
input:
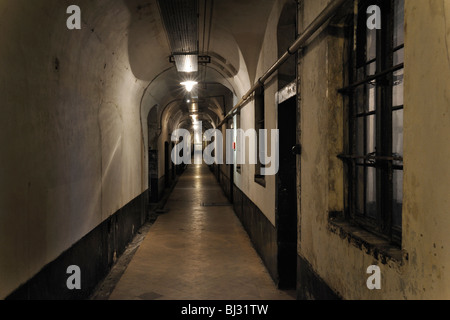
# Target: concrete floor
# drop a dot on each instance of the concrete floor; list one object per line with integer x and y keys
{"x": 197, "y": 250}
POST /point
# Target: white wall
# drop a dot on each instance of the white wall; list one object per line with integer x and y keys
{"x": 263, "y": 197}
{"x": 72, "y": 143}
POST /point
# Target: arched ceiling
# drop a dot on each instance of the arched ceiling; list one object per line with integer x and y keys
{"x": 230, "y": 32}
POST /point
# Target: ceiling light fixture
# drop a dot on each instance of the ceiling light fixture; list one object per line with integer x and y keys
{"x": 186, "y": 62}
{"x": 194, "y": 108}
{"x": 189, "y": 85}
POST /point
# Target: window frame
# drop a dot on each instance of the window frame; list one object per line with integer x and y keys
{"x": 382, "y": 158}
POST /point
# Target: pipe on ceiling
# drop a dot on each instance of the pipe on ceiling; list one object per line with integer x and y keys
{"x": 320, "y": 20}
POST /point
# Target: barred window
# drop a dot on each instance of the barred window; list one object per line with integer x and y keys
{"x": 375, "y": 149}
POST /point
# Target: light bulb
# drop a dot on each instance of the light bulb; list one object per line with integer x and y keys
{"x": 189, "y": 85}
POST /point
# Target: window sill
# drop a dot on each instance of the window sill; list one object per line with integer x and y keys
{"x": 371, "y": 244}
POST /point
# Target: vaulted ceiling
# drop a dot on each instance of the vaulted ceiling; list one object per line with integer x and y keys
{"x": 228, "y": 33}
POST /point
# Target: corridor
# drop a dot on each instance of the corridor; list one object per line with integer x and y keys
{"x": 197, "y": 250}
{"x": 322, "y": 128}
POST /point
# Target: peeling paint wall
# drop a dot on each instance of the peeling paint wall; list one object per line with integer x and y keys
{"x": 419, "y": 270}
{"x": 427, "y": 128}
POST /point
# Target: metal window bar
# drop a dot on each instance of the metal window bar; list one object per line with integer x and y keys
{"x": 349, "y": 89}
{"x": 370, "y": 157}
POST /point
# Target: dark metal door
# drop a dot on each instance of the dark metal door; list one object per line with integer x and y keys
{"x": 166, "y": 164}
{"x": 287, "y": 195}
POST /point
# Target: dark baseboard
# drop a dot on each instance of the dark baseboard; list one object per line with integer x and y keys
{"x": 157, "y": 187}
{"x": 95, "y": 254}
{"x": 226, "y": 186}
{"x": 310, "y": 286}
{"x": 260, "y": 230}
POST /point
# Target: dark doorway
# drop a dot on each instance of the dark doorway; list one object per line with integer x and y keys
{"x": 153, "y": 175}
{"x": 166, "y": 164}
{"x": 173, "y": 165}
{"x": 219, "y": 168}
{"x": 231, "y": 173}
{"x": 287, "y": 195}
{"x": 231, "y": 182}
